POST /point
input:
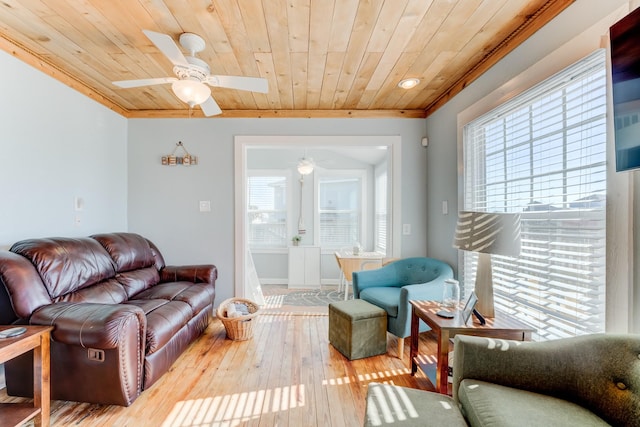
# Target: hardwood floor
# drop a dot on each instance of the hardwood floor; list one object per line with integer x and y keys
{"x": 286, "y": 375}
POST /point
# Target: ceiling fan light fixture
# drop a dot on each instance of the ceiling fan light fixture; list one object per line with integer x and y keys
{"x": 305, "y": 166}
{"x": 191, "y": 92}
{"x": 408, "y": 83}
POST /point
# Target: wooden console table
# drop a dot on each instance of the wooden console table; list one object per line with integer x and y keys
{"x": 501, "y": 326}
{"x": 37, "y": 339}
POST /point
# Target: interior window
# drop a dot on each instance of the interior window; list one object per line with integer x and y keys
{"x": 380, "y": 230}
{"x": 267, "y": 210}
{"x": 340, "y": 213}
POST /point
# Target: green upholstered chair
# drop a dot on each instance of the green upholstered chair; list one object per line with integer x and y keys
{"x": 588, "y": 380}
{"x": 392, "y": 286}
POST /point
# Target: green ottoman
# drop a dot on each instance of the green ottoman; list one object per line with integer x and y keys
{"x": 357, "y": 328}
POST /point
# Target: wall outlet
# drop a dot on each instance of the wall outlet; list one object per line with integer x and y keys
{"x": 205, "y": 206}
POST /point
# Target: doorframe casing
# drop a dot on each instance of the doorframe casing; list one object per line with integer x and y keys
{"x": 242, "y": 143}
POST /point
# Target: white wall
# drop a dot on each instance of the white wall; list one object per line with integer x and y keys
{"x": 163, "y": 201}
{"x": 576, "y": 32}
{"x": 57, "y": 144}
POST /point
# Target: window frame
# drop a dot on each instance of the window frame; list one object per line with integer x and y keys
{"x": 467, "y": 117}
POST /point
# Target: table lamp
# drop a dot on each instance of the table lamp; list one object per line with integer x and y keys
{"x": 487, "y": 233}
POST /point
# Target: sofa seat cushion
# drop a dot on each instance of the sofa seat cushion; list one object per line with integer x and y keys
{"x": 492, "y": 405}
{"x": 108, "y": 292}
{"x": 386, "y": 298}
{"x": 197, "y": 295}
{"x": 164, "y": 320}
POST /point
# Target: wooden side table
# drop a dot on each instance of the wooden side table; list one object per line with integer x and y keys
{"x": 501, "y": 326}
{"x": 37, "y": 339}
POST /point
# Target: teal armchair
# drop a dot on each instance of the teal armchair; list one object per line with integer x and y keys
{"x": 392, "y": 286}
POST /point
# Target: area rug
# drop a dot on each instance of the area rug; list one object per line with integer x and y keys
{"x": 279, "y": 299}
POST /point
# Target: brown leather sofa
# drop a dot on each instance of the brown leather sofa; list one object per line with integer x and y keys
{"x": 121, "y": 317}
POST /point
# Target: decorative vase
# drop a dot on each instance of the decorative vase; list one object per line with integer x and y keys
{"x": 451, "y": 294}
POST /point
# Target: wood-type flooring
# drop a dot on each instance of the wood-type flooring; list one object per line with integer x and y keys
{"x": 286, "y": 375}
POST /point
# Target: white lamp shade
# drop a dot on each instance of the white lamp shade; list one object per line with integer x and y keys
{"x": 190, "y": 91}
{"x": 490, "y": 233}
{"x": 487, "y": 233}
{"x": 305, "y": 166}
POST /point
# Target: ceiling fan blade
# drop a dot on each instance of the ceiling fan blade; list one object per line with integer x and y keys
{"x": 144, "y": 82}
{"x": 253, "y": 84}
{"x": 168, "y": 47}
{"x": 210, "y": 107}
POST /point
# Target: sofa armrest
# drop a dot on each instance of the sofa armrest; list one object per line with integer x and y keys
{"x": 92, "y": 325}
{"x": 598, "y": 371}
{"x": 205, "y": 273}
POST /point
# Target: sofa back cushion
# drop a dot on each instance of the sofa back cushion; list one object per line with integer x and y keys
{"x": 136, "y": 281}
{"x": 129, "y": 251}
{"x": 137, "y": 260}
{"x": 67, "y": 264}
{"x": 21, "y": 288}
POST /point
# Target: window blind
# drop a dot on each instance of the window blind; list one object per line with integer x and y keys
{"x": 267, "y": 211}
{"x": 380, "y": 231}
{"x": 543, "y": 154}
{"x": 340, "y": 217}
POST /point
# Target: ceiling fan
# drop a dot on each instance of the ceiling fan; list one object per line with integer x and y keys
{"x": 192, "y": 74}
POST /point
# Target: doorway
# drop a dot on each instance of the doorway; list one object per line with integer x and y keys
{"x": 329, "y": 153}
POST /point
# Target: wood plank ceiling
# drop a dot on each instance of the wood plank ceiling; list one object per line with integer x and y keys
{"x": 322, "y": 58}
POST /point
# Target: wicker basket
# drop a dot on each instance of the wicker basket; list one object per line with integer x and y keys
{"x": 238, "y": 328}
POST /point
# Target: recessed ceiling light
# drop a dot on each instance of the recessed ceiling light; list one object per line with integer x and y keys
{"x": 408, "y": 83}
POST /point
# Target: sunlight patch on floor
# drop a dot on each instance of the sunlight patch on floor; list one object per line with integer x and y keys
{"x": 371, "y": 376}
{"x": 235, "y": 409}
{"x": 273, "y": 301}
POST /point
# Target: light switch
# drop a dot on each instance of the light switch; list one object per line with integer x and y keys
{"x": 78, "y": 203}
{"x": 445, "y": 207}
{"x": 205, "y": 206}
{"x": 406, "y": 229}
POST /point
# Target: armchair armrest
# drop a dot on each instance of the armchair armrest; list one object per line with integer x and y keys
{"x": 205, "y": 273}
{"x": 384, "y": 276}
{"x": 430, "y": 291}
{"x": 599, "y": 371}
{"x": 101, "y": 326}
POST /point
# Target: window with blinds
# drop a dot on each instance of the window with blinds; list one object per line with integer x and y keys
{"x": 380, "y": 226}
{"x": 267, "y": 211}
{"x": 543, "y": 155}
{"x": 339, "y": 209}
